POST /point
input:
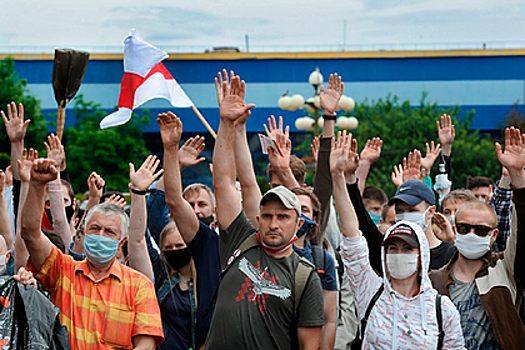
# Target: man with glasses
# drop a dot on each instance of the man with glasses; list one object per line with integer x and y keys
{"x": 486, "y": 287}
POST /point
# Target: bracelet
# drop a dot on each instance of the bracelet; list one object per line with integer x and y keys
{"x": 329, "y": 116}
{"x": 139, "y": 192}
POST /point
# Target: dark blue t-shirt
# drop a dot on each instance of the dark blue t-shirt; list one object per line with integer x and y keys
{"x": 176, "y": 310}
{"x": 329, "y": 278}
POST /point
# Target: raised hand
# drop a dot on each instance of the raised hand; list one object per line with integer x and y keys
{"x": 343, "y": 156}
{"x": 218, "y": 87}
{"x": 55, "y": 151}
{"x": 116, "y": 199}
{"x": 430, "y": 157}
{"x": 513, "y": 158}
{"x": 446, "y": 133}
{"x": 330, "y": 99}
{"x": 315, "y": 146}
{"x": 232, "y": 105}
{"x": 445, "y": 228}
{"x": 44, "y": 171}
{"x": 272, "y": 130}
{"x": 15, "y": 125}
{"x": 144, "y": 177}
{"x": 96, "y": 187}
{"x": 412, "y": 167}
{"x": 189, "y": 152}
{"x": 372, "y": 150}
{"x": 24, "y": 166}
{"x": 170, "y": 129}
{"x": 397, "y": 175}
{"x": 281, "y": 161}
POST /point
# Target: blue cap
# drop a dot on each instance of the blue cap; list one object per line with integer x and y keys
{"x": 414, "y": 192}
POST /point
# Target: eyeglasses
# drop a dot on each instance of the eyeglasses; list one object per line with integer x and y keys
{"x": 481, "y": 230}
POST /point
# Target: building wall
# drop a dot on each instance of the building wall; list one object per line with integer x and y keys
{"x": 488, "y": 81}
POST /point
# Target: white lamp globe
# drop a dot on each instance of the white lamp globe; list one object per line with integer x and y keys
{"x": 353, "y": 123}
{"x": 285, "y": 102}
{"x": 316, "y": 78}
{"x": 347, "y": 123}
{"x": 346, "y": 103}
{"x": 320, "y": 122}
{"x": 304, "y": 123}
{"x": 309, "y": 104}
{"x": 317, "y": 101}
{"x": 297, "y": 102}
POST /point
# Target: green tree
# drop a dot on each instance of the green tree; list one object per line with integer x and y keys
{"x": 12, "y": 88}
{"x": 108, "y": 151}
{"x": 403, "y": 128}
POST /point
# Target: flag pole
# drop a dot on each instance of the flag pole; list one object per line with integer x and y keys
{"x": 208, "y": 126}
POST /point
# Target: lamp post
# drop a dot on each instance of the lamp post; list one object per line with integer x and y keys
{"x": 297, "y": 101}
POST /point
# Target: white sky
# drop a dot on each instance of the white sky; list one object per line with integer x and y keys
{"x": 171, "y": 24}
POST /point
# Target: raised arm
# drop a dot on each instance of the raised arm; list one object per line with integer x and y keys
{"x": 38, "y": 245}
{"x": 139, "y": 181}
{"x": 16, "y": 129}
{"x": 5, "y": 223}
{"x": 24, "y": 166}
{"x": 322, "y": 180}
{"x": 55, "y": 151}
{"x": 343, "y": 156}
{"x": 224, "y": 169}
{"x": 181, "y": 211}
{"x": 513, "y": 158}
{"x": 251, "y": 193}
{"x": 447, "y": 134}
{"x": 369, "y": 155}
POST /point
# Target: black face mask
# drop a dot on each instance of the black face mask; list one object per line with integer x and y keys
{"x": 207, "y": 220}
{"x": 178, "y": 258}
{"x": 70, "y": 211}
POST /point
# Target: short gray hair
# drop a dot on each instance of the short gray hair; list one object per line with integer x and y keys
{"x": 110, "y": 209}
{"x": 198, "y": 186}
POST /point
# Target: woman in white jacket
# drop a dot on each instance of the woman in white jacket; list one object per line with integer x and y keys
{"x": 404, "y": 315}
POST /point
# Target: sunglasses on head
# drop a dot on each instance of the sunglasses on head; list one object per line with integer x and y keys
{"x": 481, "y": 230}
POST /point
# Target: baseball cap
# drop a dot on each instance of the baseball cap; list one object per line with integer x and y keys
{"x": 413, "y": 192}
{"x": 404, "y": 233}
{"x": 287, "y": 198}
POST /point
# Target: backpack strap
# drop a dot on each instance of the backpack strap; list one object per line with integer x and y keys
{"x": 247, "y": 244}
{"x": 437, "y": 281}
{"x": 318, "y": 253}
{"x": 439, "y": 316}
{"x": 369, "y": 309}
{"x": 302, "y": 274}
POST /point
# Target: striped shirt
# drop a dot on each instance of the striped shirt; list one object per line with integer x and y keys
{"x": 103, "y": 314}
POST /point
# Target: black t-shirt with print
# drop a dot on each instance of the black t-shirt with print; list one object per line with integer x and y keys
{"x": 255, "y": 301}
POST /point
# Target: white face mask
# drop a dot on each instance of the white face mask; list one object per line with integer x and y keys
{"x": 472, "y": 246}
{"x": 401, "y": 266}
{"x": 3, "y": 263}
{"x": 416, "y": 218}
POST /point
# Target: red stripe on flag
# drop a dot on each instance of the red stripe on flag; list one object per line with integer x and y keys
{"x": 131, "y": 82}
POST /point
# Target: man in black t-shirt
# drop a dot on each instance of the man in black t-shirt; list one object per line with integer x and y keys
{"x": 255, "y": 305}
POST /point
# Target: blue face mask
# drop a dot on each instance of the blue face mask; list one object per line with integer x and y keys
{"x": 99, "y": 249}
{"x": 306, "y": 226}
{"x": 375, "y": 217}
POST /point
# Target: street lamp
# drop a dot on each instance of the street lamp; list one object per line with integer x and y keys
{"x": 312, "y": 104}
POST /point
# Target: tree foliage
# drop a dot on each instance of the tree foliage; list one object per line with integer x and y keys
{"x": 12, "y": 88}
{"x": 403, "y": 128}
{"x": 108, "y": 151}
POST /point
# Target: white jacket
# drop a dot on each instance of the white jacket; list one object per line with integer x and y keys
{"x": 398, "y": 322}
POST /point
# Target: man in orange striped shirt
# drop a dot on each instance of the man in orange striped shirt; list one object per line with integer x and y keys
{"x": 104, "y": 304}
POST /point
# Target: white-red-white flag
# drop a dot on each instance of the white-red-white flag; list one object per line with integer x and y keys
{"x": 145, "y": 78}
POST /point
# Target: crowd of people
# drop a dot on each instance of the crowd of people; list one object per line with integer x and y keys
{"x": 337, "y": 265}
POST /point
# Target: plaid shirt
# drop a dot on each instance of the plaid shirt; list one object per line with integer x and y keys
{"x": 103, "y": 314}
{"x": 501, "y": 201}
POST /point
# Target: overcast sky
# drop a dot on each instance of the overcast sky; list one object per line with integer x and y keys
{"x": 101, "y": 25}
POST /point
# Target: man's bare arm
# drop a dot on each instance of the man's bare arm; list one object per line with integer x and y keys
{"x": 181, "y": 211}
{"x": 232, "y": 107}
{"x": 143, "y": 342}
{"x": 330, "y": 319}
{"x": 309, "y": 337}
{"x": 5, "y": 223}
{"x": 39, "y": 247}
